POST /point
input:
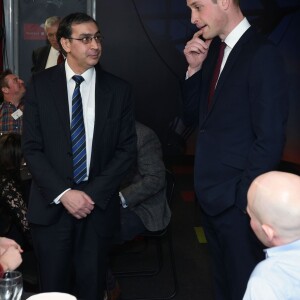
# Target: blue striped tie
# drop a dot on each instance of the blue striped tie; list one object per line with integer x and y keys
{"x": 78, "y": 133}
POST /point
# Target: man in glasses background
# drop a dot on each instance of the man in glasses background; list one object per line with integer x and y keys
{"x": 79, "y": 142}
{"x": 49, "y": 55}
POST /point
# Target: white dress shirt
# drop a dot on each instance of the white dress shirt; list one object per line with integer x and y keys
{"x": 232, "y": 38}
{"x": 52, "y": 58}
{"x": 87, "y": 91}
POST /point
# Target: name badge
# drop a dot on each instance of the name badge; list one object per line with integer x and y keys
{"x": 17, "y": 114}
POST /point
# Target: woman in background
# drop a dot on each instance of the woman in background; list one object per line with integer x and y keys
{"x": 11, "y": 197}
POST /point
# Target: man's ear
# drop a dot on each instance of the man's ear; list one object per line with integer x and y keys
{"x": 4, "y": 90}
{"x": 269, "y": 232}
{"x": 65, "y": 43}
{"x": 225, "y": 4}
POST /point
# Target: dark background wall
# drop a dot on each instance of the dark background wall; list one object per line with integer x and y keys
{"x": 140, "y": 45}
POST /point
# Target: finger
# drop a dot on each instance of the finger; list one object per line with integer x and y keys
{"x": 90, "y": 206}
{"x": 88, "y": 198}
{"x": 88, "y": 211}
{"x": 198, "y": 33}
{"x": 77, "y": 216}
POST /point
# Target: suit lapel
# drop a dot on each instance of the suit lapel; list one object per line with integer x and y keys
{"x": 60, "y": 97}
{"x": 44, "y": 57}
{"x": 231, "y": 60}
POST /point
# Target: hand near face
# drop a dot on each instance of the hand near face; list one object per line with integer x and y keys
{"x": 195, "y": 52}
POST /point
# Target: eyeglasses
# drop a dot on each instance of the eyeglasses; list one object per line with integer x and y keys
{"x": 88, "y": 39}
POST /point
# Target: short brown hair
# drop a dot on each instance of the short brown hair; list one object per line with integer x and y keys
{"x": 3, "y": 81}
{"x": 236, "y": 2}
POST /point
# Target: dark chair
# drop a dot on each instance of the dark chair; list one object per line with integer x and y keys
{"x": 158, "y": 238}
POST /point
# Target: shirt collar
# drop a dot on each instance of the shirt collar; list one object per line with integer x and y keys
{"x": 236, "y": 33}
{"x": 10, "y": 103}
{"x": 273, "y": 251}
{"x": 87, "y": 75}
{"x": 54, "y": 50}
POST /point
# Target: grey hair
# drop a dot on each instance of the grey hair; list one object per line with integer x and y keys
{"x": 52, "y": 21}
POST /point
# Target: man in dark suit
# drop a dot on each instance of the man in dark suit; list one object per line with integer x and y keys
{"x": 49, "y": 55}
{"x": 74, "y": 204}
{"x": 241, "y": 131}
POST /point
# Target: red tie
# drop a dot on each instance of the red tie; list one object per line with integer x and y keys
{"x": 60, "y": 58}
{"x": 216, "y": 74}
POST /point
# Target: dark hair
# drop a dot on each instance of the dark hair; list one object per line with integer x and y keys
{"x": 236, "y": 2}
{"x": 11, "y": 155}
{"x": 65, "y": 26}
{"x": 3, "y": 81}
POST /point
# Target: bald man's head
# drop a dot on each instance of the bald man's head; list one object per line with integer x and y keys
{"x": 274, "y": 208}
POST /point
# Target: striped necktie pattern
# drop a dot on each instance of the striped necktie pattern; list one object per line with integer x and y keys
{"x": 78, "y": 134}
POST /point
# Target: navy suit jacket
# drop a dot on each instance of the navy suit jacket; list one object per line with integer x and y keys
{"x": 47, "y": 146}
{"x": 243, "y": 134}
{"x": 39, "y": 58}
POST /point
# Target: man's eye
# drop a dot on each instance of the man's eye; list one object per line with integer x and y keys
{"x": 85, "y": 39}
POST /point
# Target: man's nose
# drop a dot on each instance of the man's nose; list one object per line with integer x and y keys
{"x": 193, "y": 18}
{"x": 94, "y": 44}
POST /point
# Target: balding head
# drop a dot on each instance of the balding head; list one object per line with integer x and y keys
{"x": 274, "y": 207}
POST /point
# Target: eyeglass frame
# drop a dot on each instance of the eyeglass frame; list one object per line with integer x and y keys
{"x": 97, "y": 37}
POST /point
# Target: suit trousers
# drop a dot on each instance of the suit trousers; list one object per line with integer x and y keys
{"x": 235, "y": 251}
{"x": 72, "y": 257}
{"x": 131, "y": 225}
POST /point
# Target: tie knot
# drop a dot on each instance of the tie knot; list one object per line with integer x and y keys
{"x": 222, "y": 46}
{"x": 78, "y": 79}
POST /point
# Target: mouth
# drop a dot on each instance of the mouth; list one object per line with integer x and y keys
{"x": 201, "y": 27}
{"x": 94, "y": 55}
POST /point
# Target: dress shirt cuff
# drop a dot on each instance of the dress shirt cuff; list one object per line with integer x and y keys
{"x": 123, "y": 201}
{"x": 57, "y": 199}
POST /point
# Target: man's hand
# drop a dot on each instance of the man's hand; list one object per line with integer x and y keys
{"x": 195, "y": 52}
{"x": 78, "y": 203}
{"x": 10, "y": 259}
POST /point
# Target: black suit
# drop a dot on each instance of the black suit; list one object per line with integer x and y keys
{"x": 240, "y": 137}
{"x": 40, "y": 58}
{"x": 47, "y": 149}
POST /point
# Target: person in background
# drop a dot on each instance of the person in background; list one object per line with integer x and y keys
{"x": 11, "y": 190}
{"x": 79, "y": 142}
{"x": 143, "y": 191}
{"x": 11, "y": 109}
{"x": 49, "y": 55}
{"x": 236, "y": 91}
{"x": 144, "y": 203}
{"x": 10, "y": 255}
{"x": 274, "y": 209}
